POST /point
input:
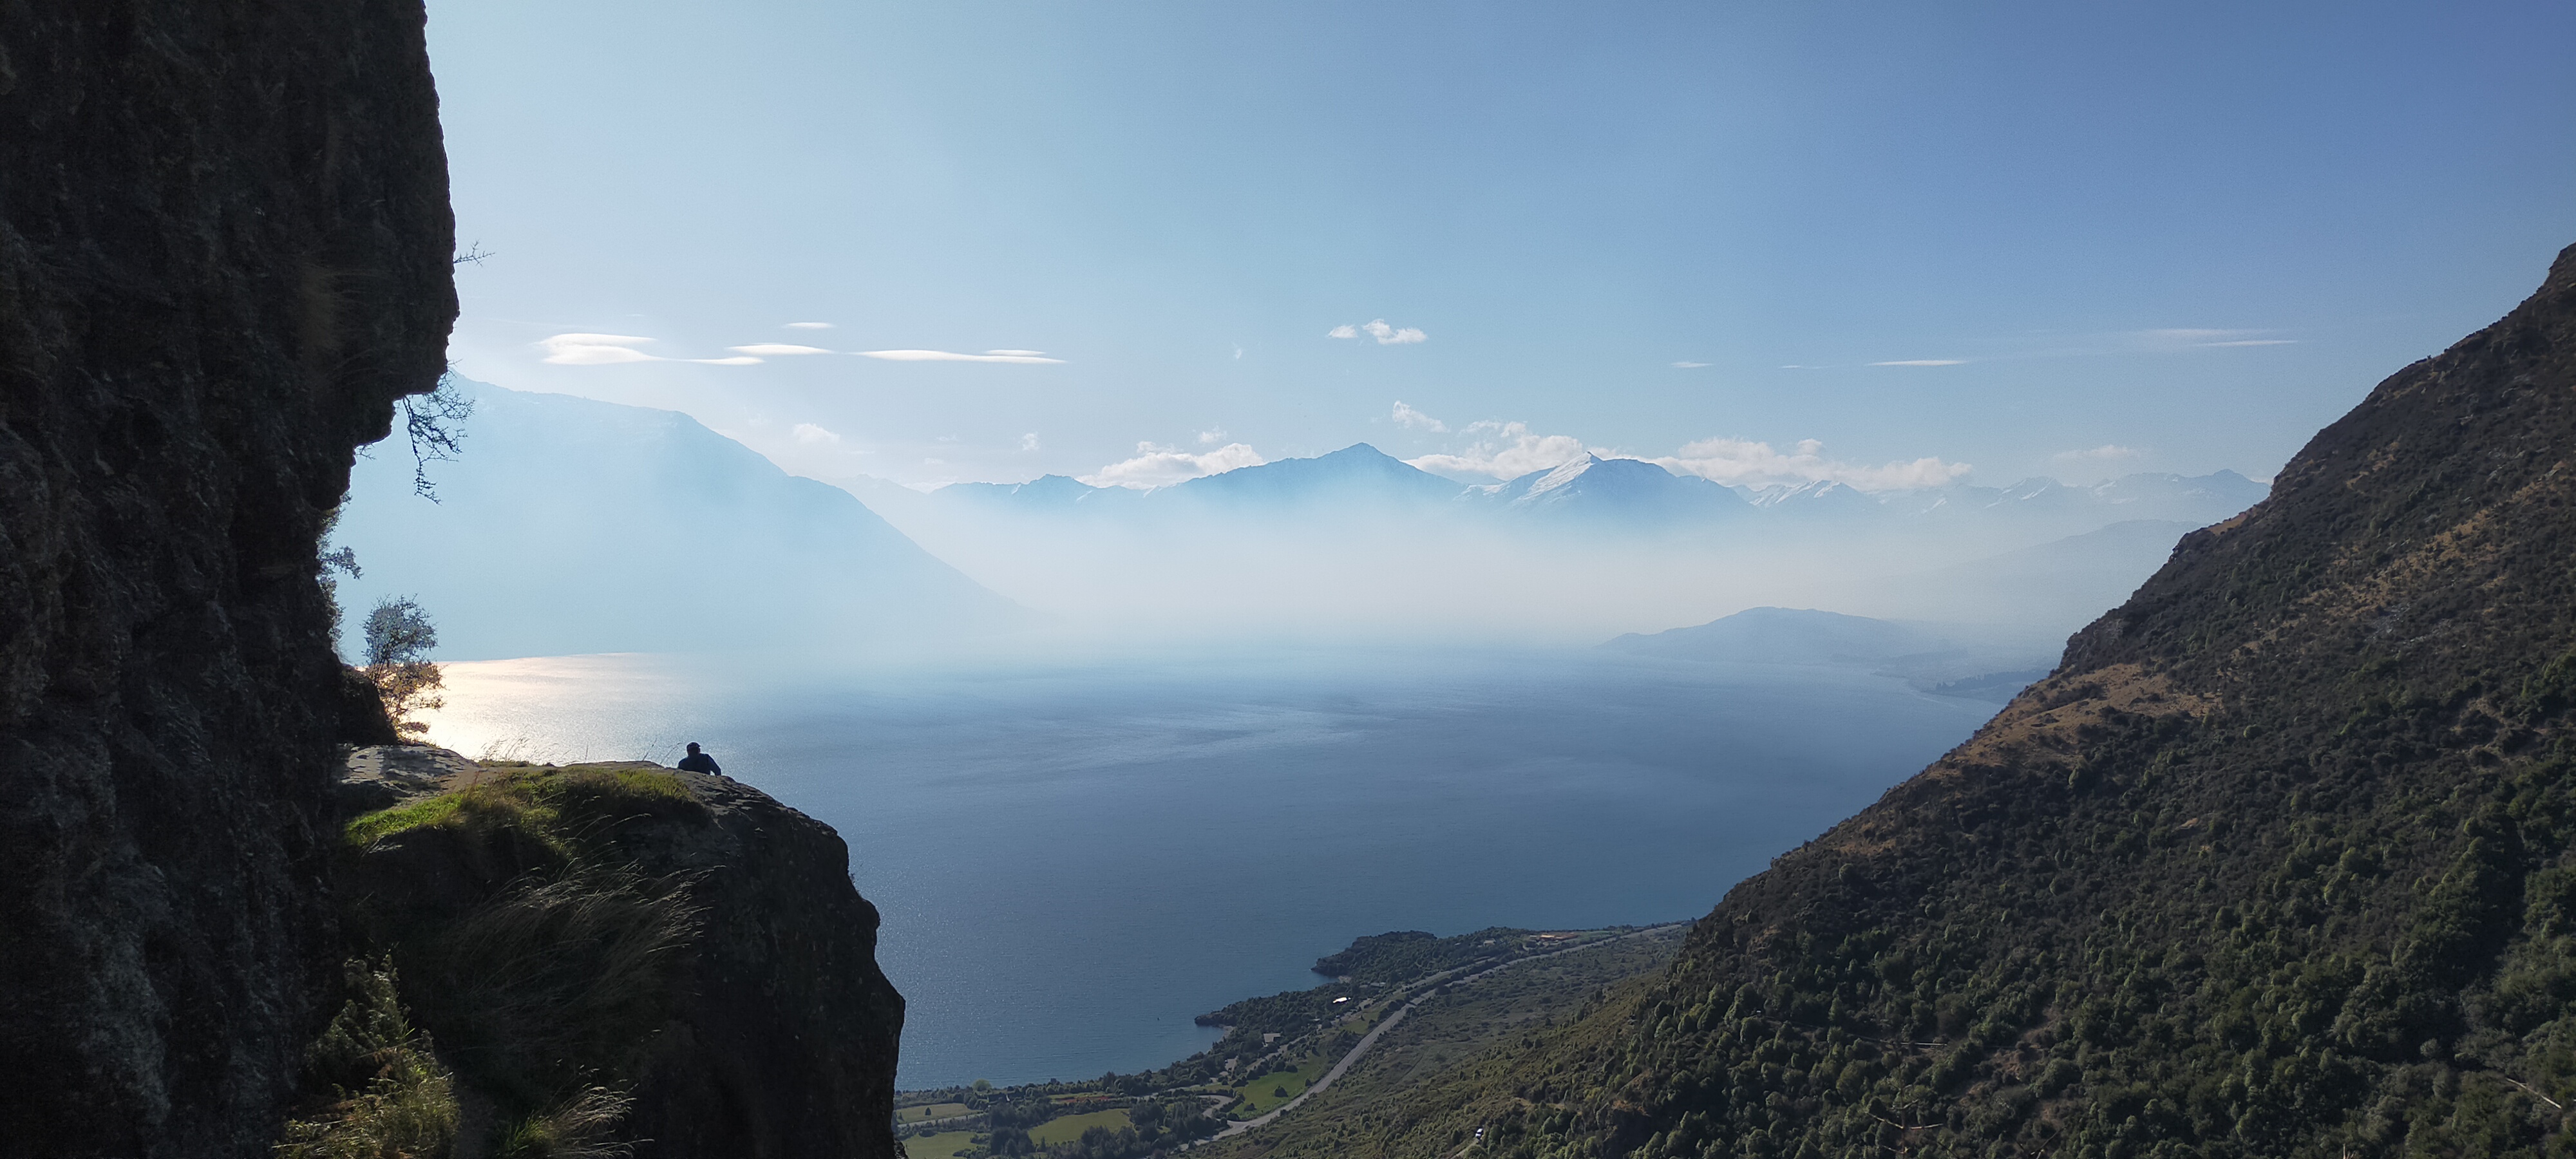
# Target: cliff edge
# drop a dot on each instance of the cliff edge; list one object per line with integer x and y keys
{"x": 678, "y": 953}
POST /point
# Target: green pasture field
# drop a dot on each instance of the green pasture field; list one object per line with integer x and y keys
{"x": 1071, "y": 1127}
{"x": 930, "y": 1111}
{"x": 944, "y": 1145}
{"x": 1258, "y": 1091}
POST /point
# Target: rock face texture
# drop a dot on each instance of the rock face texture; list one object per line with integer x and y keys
{"x": 752, "y": 1021}
{"x": 785, "y": 1047}
{"x": 224, "y": 253}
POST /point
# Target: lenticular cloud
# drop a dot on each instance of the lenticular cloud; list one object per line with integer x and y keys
{"x": 594, "y": 349}
{"x": 610, "y": 349}
{"x": 1021, "y": 356}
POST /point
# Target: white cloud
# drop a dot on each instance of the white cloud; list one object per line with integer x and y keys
{"x": 1029, "y": 441}
{"x": 1386, "y": 335}
{"x": 1510, "y": 454}
{"x": 2105, "y": 452}
{"x": 1745, "y": 463}
{"x": 1158, "y": 466}
{"x": 775, "y": 349}
{"x": 809, "y": 433}
{"x": 809, "y": 326}
{"x": 594, "y": 349}
{"x": 1022, "y": 356}
{"x": 608, "y": 349}
{"x": 1210, "y": 436}
{"x": 1688, "y": 365}
{"x": 1921, "y": 362}
{"x": 2175, "y": 337}
{"x": 1414, "y": 420}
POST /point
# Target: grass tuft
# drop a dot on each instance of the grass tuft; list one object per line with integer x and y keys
{"x": 546, "y": 993}
{"x": 555, "y": 806}
{"x": 581, "y": 1127}
{"x": 555, "y": 977}
{"x": 370, "y": 828}
{"x": 587, "y": 798}
{"x": 404, "y": 1106}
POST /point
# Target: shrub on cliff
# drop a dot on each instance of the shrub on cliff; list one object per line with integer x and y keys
{"x": 388, "y": 1095}
{"x": 399, "y": 638}
{"x": 546, "y": 960}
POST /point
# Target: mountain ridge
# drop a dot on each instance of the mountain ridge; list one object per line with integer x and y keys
{"x": 1619, "y": 491}
{"x": 658, "y": 534}
{"x": 2279, "y": 860}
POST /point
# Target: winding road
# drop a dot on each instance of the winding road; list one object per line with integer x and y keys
{"x": 1388, "y": 1023}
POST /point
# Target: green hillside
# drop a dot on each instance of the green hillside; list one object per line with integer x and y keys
{"x": 2275, "y": 863}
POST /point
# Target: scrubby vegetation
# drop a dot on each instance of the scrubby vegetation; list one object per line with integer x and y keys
{"x": 545, "y": 974}
{"x": 384, "y": 1093}
{"x": 555, "y": 807}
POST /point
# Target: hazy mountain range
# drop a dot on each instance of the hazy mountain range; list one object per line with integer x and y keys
{"x": 1607, "y": 494}
{"x": 571, "y": 526}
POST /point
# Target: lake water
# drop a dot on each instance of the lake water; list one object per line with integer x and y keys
{"x": 1075, "y": 858}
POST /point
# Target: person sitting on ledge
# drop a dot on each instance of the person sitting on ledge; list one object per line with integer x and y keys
{"x": 698, "y": 762}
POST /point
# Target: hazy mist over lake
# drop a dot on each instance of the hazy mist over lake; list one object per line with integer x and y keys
{"x": 1075, "y": 857}
{"x": 1181, "y": 486}
{"x": 1109, "y": 758}
{"x": 656, "y": 534}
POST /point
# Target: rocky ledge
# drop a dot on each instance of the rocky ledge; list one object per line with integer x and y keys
{"x": 619, "y": 951}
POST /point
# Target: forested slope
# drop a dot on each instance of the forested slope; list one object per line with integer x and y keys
{"x": 2275, "y": 863}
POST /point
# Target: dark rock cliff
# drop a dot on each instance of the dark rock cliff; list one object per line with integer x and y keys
{"x": 786, "y": 1044}
{"x": 702, "y": 951}
{"x": 224, "y": 253}
{"x": 2281, "y": 860}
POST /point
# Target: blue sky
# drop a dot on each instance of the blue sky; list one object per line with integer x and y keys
{"x": 2068, "y": 239}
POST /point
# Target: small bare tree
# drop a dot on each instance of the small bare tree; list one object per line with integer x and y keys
{"x": 399, "y": 639}
{"x": 434, "y": 424}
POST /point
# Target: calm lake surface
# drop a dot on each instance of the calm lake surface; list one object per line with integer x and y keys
{"x": 1075, "y": 858}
